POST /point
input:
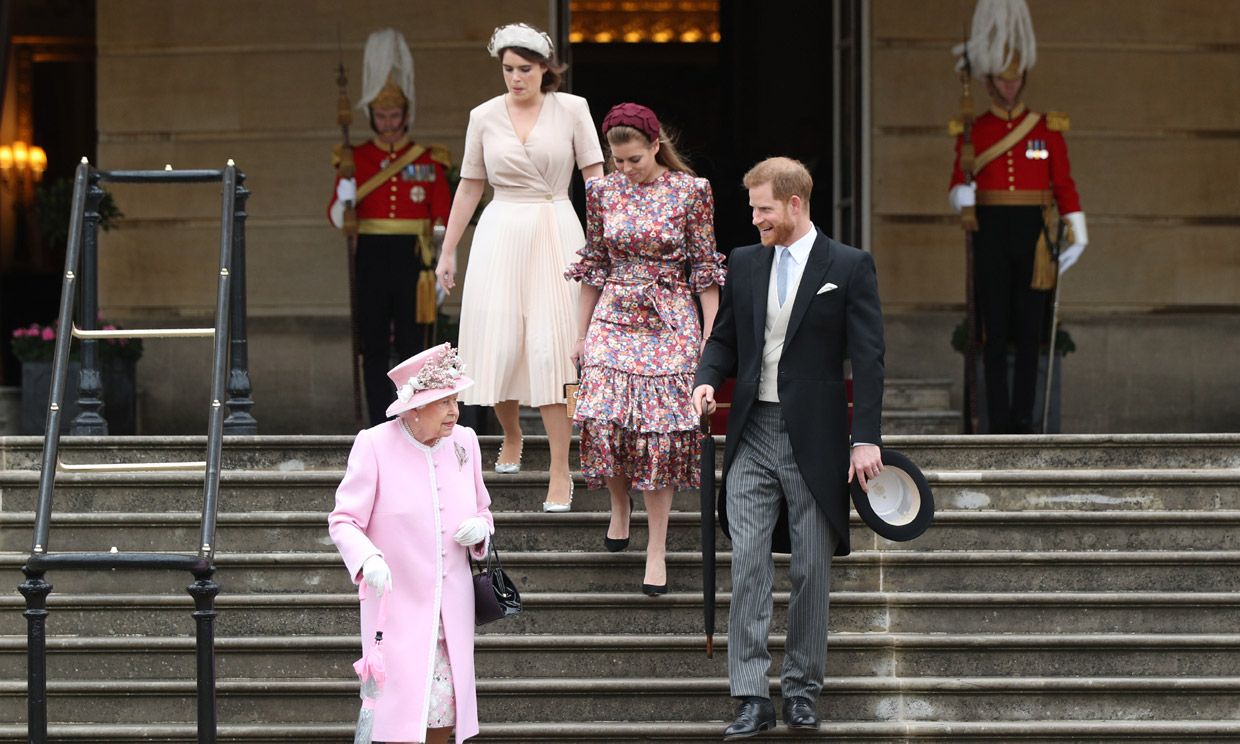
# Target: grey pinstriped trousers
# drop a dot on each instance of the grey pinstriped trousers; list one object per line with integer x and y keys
{"x": 763, "y": 474}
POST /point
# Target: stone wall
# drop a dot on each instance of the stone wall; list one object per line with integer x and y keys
{"x": 1153, "y": 92}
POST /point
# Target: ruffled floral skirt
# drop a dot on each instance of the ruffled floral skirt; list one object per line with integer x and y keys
{"x": 635, "y": 403}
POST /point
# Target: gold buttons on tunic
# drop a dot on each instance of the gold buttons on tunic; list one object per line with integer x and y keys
{"x": 550, "y": 197}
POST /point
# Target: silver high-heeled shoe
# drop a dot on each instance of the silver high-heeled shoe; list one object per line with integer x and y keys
{"x": 508, "y": 468}
{"x": 553, "y": 507}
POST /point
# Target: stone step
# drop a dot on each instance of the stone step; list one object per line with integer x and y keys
{"x": 843, "y": 699}
{"x": 527, "y": 656}
{"x": 922, "y": 394}
{"x": 1005, "y": 490}
{"x": 677, "y": 612}
{"x": 583, "y": 531}
{"x": 917, "y": 732}
{"x": 862, "y": 571}
{"x": 928, "y": 422}
{"x": 959, "y": 452}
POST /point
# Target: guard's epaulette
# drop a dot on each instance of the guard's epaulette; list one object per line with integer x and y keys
{"x": 1057, "y": 121}
{"x": 441, "y": 155}
{"x": 955, "y": 126}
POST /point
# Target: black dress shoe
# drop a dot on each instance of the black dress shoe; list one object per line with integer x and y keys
{"x": 754, "y": 716}
{"x": 799, "y": 713}
{"x": 654, "y": 590}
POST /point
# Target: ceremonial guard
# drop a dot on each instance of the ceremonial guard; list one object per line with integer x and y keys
{"x": 400, "y": 192}
{"x": 1020, "y": 171}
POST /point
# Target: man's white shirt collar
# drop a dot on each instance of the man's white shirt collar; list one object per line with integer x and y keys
{"x": 801, "y": 248}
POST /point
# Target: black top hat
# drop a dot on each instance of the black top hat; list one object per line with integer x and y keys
{"x": 899, "y": 505}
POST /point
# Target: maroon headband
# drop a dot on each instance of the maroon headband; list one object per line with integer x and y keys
{"x": 633, "y": 115}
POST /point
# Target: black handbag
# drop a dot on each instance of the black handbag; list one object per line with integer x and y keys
{"x": 495, "y": 595}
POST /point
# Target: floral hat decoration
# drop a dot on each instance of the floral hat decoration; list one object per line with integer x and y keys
{"x": 633, "y": 115}
{"x": 520, "y": 35}
{"x": 427, "y": 377}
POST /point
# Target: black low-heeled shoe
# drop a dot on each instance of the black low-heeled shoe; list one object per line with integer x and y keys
{"x": 616, "y": 544}
{"x": 654, "y": 590}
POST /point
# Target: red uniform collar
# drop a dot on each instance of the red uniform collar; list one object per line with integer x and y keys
{"x": 1004, "y": 115}
{"x": 395, "y": 147}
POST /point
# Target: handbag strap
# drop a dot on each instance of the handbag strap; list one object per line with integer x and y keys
{"x": 381, "y": 621}
{"x": 491, "y": 551}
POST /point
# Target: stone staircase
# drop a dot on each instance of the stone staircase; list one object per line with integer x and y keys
{"x": 1072, "y": 589}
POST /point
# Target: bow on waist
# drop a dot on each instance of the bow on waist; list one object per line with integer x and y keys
{"x": 653, "y": 284}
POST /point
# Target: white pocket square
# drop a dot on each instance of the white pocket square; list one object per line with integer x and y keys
{"x": 826, "y": 288}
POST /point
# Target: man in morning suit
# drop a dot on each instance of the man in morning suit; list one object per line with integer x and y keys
{"x": 795, "y": 306}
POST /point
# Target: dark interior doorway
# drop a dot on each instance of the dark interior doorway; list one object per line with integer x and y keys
{"x": 50, "y": 53}
{"x": 765, "y": 88}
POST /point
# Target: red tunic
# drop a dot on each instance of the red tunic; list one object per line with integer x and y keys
{"x": 1022, "y": 169}
{"x": 419, "y": 192}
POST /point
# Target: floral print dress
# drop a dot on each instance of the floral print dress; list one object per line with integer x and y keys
{"x": 649, "y": 248}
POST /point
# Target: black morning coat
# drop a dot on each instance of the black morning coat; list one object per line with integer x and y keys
{"x": 824, "y": 329}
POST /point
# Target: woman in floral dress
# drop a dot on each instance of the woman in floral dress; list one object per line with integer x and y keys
{"x": 650, "y": 245}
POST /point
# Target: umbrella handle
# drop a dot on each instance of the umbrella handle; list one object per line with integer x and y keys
{"x": 710, "y": 646}
{"x": 381, "y": 622}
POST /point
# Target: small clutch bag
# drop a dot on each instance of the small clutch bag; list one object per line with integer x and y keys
{"x": 570, "y": 394}
{"x": 495, "y": 595}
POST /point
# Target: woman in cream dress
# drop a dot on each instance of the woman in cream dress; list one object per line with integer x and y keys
{"x": 518, "y": 316}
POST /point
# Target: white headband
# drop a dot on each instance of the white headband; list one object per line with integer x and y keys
{"x": 520, "y": 35}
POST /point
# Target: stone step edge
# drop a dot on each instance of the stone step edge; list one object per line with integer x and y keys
{"x": 651, "y": 685}
{"x": 670, "y": 642}
{"x": 626, "y": 600}
{"x": 298, "y": 478}
{"x": 327, "y": 559}
{"x": 319, "y": 518}
{"x": 345, "y": 441}
{"x": 1068, "y": 730}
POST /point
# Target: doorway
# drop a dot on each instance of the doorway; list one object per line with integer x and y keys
{"x": 763, "y": 85}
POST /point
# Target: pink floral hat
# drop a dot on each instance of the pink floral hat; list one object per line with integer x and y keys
{"x": 427, "y": 377}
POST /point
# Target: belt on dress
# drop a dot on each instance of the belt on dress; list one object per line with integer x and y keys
{"x": 654, "y": 288}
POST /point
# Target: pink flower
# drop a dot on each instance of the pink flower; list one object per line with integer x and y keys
{"x": 19, "y": 332}
{"x": 109, "y": 327}
{"x": 32, "y": 329}
{"x": 49, "y": 334}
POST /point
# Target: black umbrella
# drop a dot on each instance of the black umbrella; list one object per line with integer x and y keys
{"x": 708, "y": 534}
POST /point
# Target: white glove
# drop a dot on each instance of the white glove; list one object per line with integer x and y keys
{"x": 473, "y": 531}
{"x": 346, "y": 190}
{"x": 963, "y": 195}
{"x": 376, "y": 574}
{"x": 1080, "y": 238}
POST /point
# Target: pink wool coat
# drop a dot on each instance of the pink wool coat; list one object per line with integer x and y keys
{"x": 405, "y": 501}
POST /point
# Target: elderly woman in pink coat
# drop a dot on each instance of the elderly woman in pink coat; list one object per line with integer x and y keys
{"x": 411, "y": 504}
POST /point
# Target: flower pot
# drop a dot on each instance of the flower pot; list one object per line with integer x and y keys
{"x": 120, "y": 397}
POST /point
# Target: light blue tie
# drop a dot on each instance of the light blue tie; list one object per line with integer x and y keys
{"x": 782, "y": 268}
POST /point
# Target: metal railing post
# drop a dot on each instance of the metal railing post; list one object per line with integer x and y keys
{"x": 90, "y": 420}
{"x": 240, "y": 420}
{"x": 35, "y": 590}
{"x": 203, "y": 591}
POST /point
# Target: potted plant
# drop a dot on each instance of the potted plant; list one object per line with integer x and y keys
{"x": 34, "y": 346}
{"x": 1064, "y": 345}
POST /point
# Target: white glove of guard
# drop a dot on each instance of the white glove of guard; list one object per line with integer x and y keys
{"x": 473, "y": 531}
{"x": 1080, "y": 238}
{"x": 346, "y": 190}
{"x": 963, "y": 195}
{"x": 376, "y": 574}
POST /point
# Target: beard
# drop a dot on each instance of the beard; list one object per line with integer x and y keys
{"x": 780, "y": 233}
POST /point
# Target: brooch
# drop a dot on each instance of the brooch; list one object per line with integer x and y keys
{"x": 461, "y": 456}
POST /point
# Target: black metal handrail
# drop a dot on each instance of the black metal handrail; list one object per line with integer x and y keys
{"x": 81, "y": 270}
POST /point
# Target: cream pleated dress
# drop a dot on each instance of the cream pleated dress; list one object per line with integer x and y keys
{"x": 518, "y": 315}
